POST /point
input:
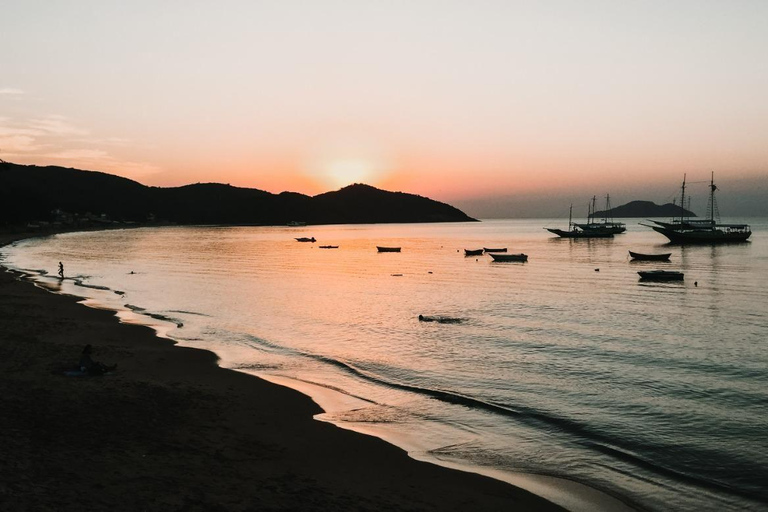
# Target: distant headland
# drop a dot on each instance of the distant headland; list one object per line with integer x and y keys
{"x": 59, "y": 195}
{"x": 644, "y": 209}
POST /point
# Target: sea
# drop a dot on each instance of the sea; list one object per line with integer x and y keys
{"x": 566, "y": 374}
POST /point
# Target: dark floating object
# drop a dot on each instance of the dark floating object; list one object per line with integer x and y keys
{"x": 597, "y": 270}
{"x": 396, "y": 275}
{"x": 473, "y": 252}
{"x": 328, "y": 246}
{"x": 650, "y": 257}
{"x": 387, "y": 249}
{"x": 305, "y": 239}
{"x": 661, "y": 275}
{"x": 441, "y": 319}
{"x": 510, "y": 257}
{"x": 503, "y": 249}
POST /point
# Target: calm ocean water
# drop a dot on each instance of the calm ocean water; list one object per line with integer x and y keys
{"x": 656, "y": 393}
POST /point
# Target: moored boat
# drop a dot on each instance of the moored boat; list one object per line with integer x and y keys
{"x": 509, "y": 257}
{"x": 650, "y": 257}
{"x": 387, "y": 249}
{"x": 661, "y": 275}
{"x": 327, "y": 246}
{"x": 473, "y": 252}
{"x": 701, "y": 231}
{"x": 574, "y": 231}
{"x": 305, "y": 239}
{"x": 503, "y": 249}
{"x": 606, "y": 225}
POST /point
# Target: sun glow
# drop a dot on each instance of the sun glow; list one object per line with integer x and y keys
{"x": 340, "y": 173}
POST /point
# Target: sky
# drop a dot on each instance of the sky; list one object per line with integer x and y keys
{"x": 503, "y": 108}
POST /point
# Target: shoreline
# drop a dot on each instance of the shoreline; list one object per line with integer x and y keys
{"x": 591, "y": 499}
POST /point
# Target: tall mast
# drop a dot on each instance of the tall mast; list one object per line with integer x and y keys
{"x": 591, "y": 218}
{"x": 607, "y": 208}
{"x": 712, "y": 189}
{"x": 570, "y": 217}
{"x": 682, "y": 202}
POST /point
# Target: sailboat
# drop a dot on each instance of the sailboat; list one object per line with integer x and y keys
{"x": 605, "y": 225}
{"x": 707, "y": 231}
{"x": 575, "y": 231}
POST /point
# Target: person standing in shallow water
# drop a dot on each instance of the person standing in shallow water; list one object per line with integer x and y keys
{"x": 61, "y": 270}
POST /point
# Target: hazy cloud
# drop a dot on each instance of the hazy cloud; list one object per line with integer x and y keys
{"x": 56, "y": 125}
{"x": 10, "y": 91}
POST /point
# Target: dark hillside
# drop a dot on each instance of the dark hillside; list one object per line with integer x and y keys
{"x": 33, "y": 194}
{"x": 645, "y": 209}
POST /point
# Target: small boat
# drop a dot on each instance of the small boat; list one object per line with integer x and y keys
{"x": 661, "y": 275}
{"x": 503, "y": 249}
{"x": 387, "y": 249}
{"x": 305, "y": 239}
{"x": 473, "y": 252}
{"x": 510, "y": 257}
{"x": 327, "y": 246}
{"x": 650, "y": 257}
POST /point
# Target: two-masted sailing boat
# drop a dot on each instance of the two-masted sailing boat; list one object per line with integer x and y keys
{"x": 576, "y": 231}
{"x": 707, "y": 231}
{"x": 607, "y": 224}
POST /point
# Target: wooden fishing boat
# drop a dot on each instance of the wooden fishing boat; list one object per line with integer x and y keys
{"x": 305, "y": 239}
{"x": 650, "y": 257}
{"x": 328, "y": 246}
{"x": 509, "y": 257}
{"x": 701, "y": 231}
{"x": 607, "y": 225}
{"x": 503, "y": 249}
{"x": 661, "y": 275}
{"x": 473, "y": 252}
{"x": 387, "y": 249}
{"x": 575, "y": 231}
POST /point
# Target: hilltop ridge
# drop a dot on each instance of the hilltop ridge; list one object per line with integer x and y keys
{"x": 644, "y": 209}
{"x": 30, "y": 193}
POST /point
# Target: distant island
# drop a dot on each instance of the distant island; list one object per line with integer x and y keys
{"x": 644, "y": 209}
{"x": 59, "y": 195}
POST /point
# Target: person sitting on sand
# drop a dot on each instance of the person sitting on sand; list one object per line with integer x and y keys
{"x": 91, "y": 367}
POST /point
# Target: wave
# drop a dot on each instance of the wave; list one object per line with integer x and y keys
{"x": 584, "y": 435}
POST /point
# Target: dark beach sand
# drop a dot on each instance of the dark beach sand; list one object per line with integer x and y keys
{"x": 170, "y": 430}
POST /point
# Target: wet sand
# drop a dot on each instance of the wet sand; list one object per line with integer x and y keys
{"x": 171, "y": 430}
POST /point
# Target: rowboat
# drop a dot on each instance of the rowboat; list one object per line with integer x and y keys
{"x": 503, "y": 249}
{"x": 650, "y": 257}
{"x": 328, "y": 246}
{"x": 387, "y": 249}
{"x": 509, "y": 257}
{"x": 661, "y": 275}
{"x": 473, "y": 252}
{"x": 305, "y": 239}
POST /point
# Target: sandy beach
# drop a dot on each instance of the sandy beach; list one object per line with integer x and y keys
{"x": 171, "y": 430}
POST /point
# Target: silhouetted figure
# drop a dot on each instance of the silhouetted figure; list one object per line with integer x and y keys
{"x": 90, "y": 366}
{"x": 61, "y": 270}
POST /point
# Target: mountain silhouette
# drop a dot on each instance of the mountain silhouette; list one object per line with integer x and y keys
{"x": 31, "y": 193}
{"x": 644, "y": 209}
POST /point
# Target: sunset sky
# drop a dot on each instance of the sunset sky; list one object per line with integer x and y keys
{"x": 481, "y": 104}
